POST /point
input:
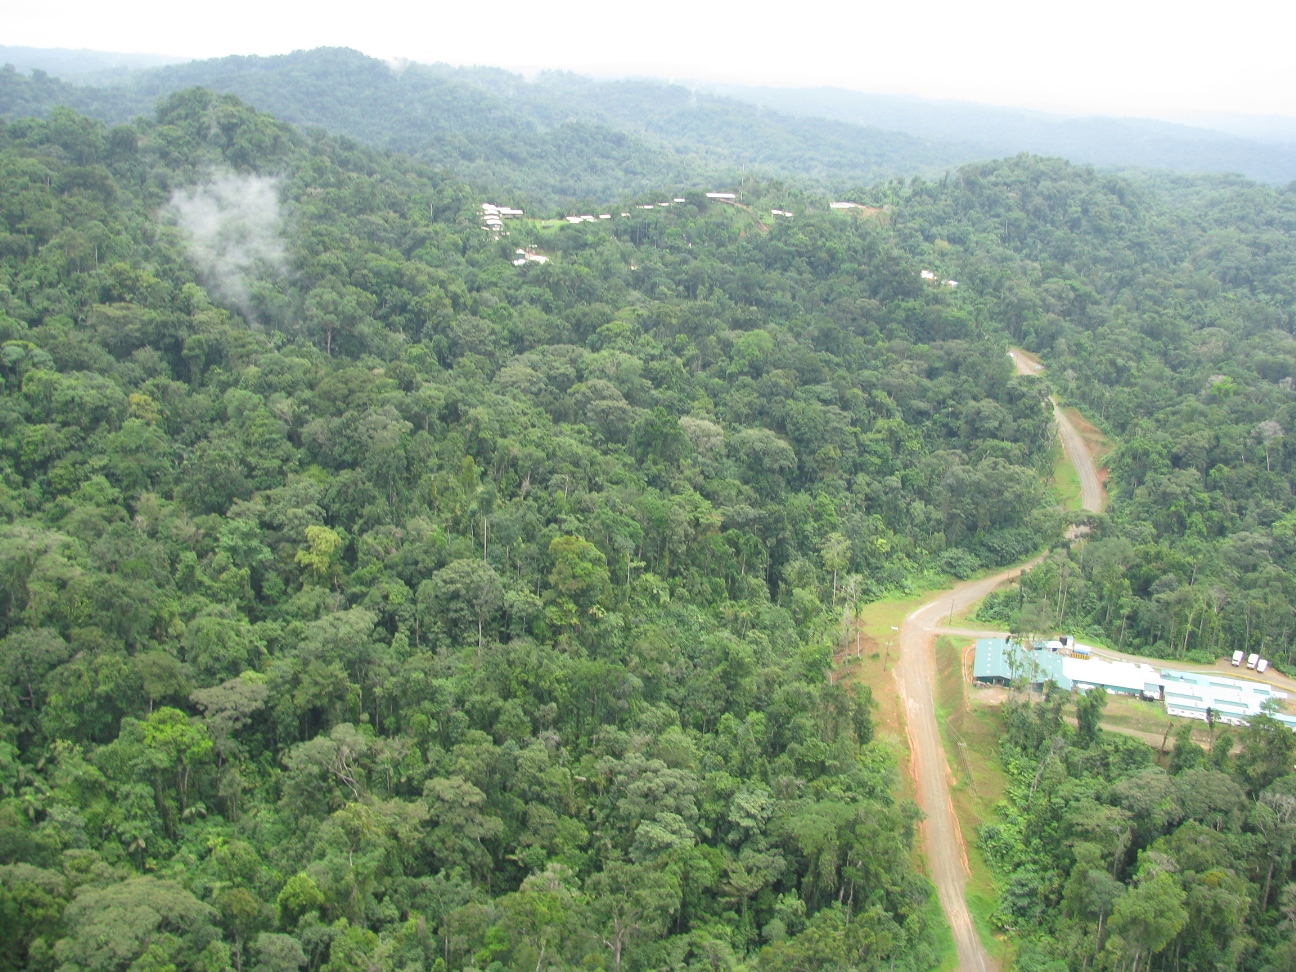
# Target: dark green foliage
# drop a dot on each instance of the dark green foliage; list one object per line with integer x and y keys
{"x": 377, "y": 603}
{"x": 1165, "y": 311}
{"x": 1106, "y": 860}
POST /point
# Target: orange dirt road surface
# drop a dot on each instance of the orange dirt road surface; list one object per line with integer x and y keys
{"x": 916, "y": 679}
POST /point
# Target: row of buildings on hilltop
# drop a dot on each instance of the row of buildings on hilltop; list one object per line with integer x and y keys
{"x": 493, "y": 216}
{"x": 1191, "y": 695}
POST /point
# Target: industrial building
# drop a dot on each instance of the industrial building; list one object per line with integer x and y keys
{"x": 1190, "y": 695}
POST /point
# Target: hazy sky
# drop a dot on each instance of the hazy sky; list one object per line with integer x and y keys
{"x": 1116, "y": 56}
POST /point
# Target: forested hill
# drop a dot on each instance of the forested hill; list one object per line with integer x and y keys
{"x": 556, "y": 140}
{"x": 1165, "y": 311}
{"x": 561, "y": 138}
{"x": 375, "y": 597}
{"x": 369, "y": 601}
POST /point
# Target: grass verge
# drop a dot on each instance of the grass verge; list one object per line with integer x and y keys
{"x": 971, "y": 735}
{"x": 941, "y": 935}
{"x": 873, "y": 653}
{"x": 1065, "y": 482}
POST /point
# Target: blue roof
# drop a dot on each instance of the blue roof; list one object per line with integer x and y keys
{"x": 992, "y": 658}
{"x": 1000, "y": 658}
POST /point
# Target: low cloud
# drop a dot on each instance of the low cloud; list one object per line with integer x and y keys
{"x": 233, "y": 227}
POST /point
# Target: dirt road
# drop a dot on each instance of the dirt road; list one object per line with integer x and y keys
{"x": 1091, "y": 491}
{"x": 916, "y": 678}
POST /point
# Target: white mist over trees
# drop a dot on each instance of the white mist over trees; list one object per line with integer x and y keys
{"x": 232, "y": 225}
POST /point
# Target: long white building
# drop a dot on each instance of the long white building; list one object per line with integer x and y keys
{"x": 1189, "y": 695}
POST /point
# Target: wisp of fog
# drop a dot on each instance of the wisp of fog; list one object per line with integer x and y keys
{"x": 233, "y": 227}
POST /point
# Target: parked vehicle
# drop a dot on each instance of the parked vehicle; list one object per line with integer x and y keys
{"x": 1237, "y": 659}
{"x": 1262, "y": 664}
{"x": 1252, "y": 659}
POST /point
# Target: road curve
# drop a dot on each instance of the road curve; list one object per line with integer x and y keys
{"x": 916, "y": 678}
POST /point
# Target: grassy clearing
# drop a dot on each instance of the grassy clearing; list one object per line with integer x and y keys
{"x": 971, "y": 736}
{"x": 1132, "y": 715}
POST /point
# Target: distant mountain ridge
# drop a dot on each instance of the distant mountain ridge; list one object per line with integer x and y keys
{"x": 82, "y": 65}
{"x": 562, "y": 139}
{"x": 1097, "y": 139}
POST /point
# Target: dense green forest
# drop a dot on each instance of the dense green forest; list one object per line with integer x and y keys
{"x": 558, "y": 139}
{"x": 1165, "y": 311}
{"x": 371, "y": 602}
{"x": 1109, "y": 861}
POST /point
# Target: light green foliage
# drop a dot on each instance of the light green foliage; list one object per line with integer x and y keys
{"x": 299, "y": 896}
{"x": 321, "y": 552}
{"x": 140, "y": 923}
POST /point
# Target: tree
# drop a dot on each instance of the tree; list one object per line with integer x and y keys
{"x": 465, "y": 593}
{"x": 278, "y": 953}
{"x": 1186, "y": 754}
{"x": 1274, "y": 817}
{"x": 32, "y": 901}
{"x": 579, "y": 571}
{"x": 161, "y": 675}
{"x": 1091, "y": 892}
{"x": 242, "y": 915}
{"x": 179, "y": 745}
{"x": 321, "y": 553}
{"x": 229, "y": 707}
{"x": 1148, "y": 916}
{"x": 219, "y": 646}
{"x": 1267, "y": 751}
{"x": 460, "y": 823}
{"x": 1089, "y": 708}
{"x": 629, "y": 902}
{"x": 27, "y": 656}
{"x": 836, "y": 556}
{"x": 110, "y": 929}
{"x": 536, "y": 918}
{"x": 300, "y": 896}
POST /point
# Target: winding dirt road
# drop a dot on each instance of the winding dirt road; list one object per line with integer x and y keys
{"x": 1091, "y": 491}
{"x": 916, "y": 677}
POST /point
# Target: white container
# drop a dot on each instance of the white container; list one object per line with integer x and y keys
{"x": 1252, "y": 659}
{"x": 1262, "y": 664}
{"x": 1237, "y": 659}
